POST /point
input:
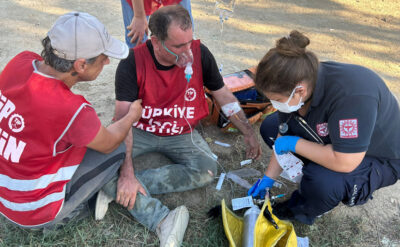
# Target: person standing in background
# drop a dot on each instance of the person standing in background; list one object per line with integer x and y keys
{"x": 136, "y": 14}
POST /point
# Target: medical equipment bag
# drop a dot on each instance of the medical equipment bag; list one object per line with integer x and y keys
{"x": 255, "y": 105}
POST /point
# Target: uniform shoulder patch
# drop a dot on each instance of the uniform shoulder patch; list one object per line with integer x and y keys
{"x": 322, "y": 129}
{"x": 348, "y": 128}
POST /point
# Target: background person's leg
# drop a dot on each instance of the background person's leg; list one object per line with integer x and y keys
{"x": 95, "y": 170}
{"x": 193, "y": 168}
{"x": 188, "y": 6}
{"x": 127, "y": 14}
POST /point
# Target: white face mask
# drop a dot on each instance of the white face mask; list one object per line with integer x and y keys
{"x": 285, "y": 107}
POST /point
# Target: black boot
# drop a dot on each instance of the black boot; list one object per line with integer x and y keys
{"x": 282, "y": 211}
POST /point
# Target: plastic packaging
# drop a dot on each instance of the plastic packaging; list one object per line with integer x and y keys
{"x": 224, "y": 8}
{"x": 235, "y": 178}
{"x": 250, "y": 218}
{"x": 246, "y": 172}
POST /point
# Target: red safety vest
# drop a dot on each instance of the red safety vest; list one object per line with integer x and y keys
{"x": 169, "y": 101}
{"x": 152, "y": 5}
{"x": 35, "y": 113}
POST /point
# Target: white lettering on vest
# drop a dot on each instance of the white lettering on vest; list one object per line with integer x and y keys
{"x": 9, "y": 145}
{"x": 140, "y": 126}
{"x": 152, "y": 114}
{"x": 6, "y": 110}
{"x": 2, "y": 144}
{"x": 157, "y": 112}
{"x": 181, "y": 112}
{"x": 190, "y": 112}
{"x": 148, "y": 110}
{"x": 14, "y": 149}
{"x": 167, "y": 112}
{"x": 175, "y": 112}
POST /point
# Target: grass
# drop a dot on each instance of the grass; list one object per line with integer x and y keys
{"x": 333, "y": 231}
{"x": 119, "y": 229}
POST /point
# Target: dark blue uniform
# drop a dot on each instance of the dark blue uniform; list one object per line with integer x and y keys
{"x": 353, "y": 110}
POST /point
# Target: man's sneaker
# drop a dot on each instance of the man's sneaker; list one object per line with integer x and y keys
{"x": 102, "y": 202}
{"x": 172, "y": 228}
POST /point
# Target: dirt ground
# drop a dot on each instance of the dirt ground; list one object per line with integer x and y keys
{"x": 353, "y": 31}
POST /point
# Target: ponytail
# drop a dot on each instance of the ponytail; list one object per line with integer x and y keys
{"x": 285, "y": 65}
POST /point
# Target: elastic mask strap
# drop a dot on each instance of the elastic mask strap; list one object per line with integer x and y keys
{"x": 292, "y": 94}
{"x": 176, "y": 56}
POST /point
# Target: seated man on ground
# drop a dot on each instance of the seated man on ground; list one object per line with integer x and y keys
{"x": 168, "y": 73}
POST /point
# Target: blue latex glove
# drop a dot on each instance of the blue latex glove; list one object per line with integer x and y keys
{"x": 259, "y": 188}
{"x": 285, "y": 144}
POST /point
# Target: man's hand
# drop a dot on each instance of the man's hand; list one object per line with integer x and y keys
{"x": 127, "y": 189}
{"x": 136, "y": 109}
{"x": 285, "y": 144}
{"x": 128, "y": 186}
{"x": 253, "y": 150}
{"x": 138, "y": 28}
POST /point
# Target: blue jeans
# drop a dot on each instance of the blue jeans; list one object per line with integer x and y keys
{"x": 322, "y": 189}
{"x": 191, "y": 168}
{"x": 127, "y": 13}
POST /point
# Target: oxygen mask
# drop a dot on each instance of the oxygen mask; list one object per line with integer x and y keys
{"x": 182, "y": 59}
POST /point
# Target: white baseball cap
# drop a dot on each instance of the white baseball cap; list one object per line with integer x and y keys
{"x": 81, "y": 35}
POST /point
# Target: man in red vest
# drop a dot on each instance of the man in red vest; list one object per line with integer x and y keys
{"x": 168, "y": 73}
{"x": 54, "y": 152}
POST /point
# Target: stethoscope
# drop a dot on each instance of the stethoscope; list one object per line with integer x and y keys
{"x": 284, "y": 127}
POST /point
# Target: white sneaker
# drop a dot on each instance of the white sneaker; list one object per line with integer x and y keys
{"x": 102, "y": 202}
{"x": 172, "y": 228}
